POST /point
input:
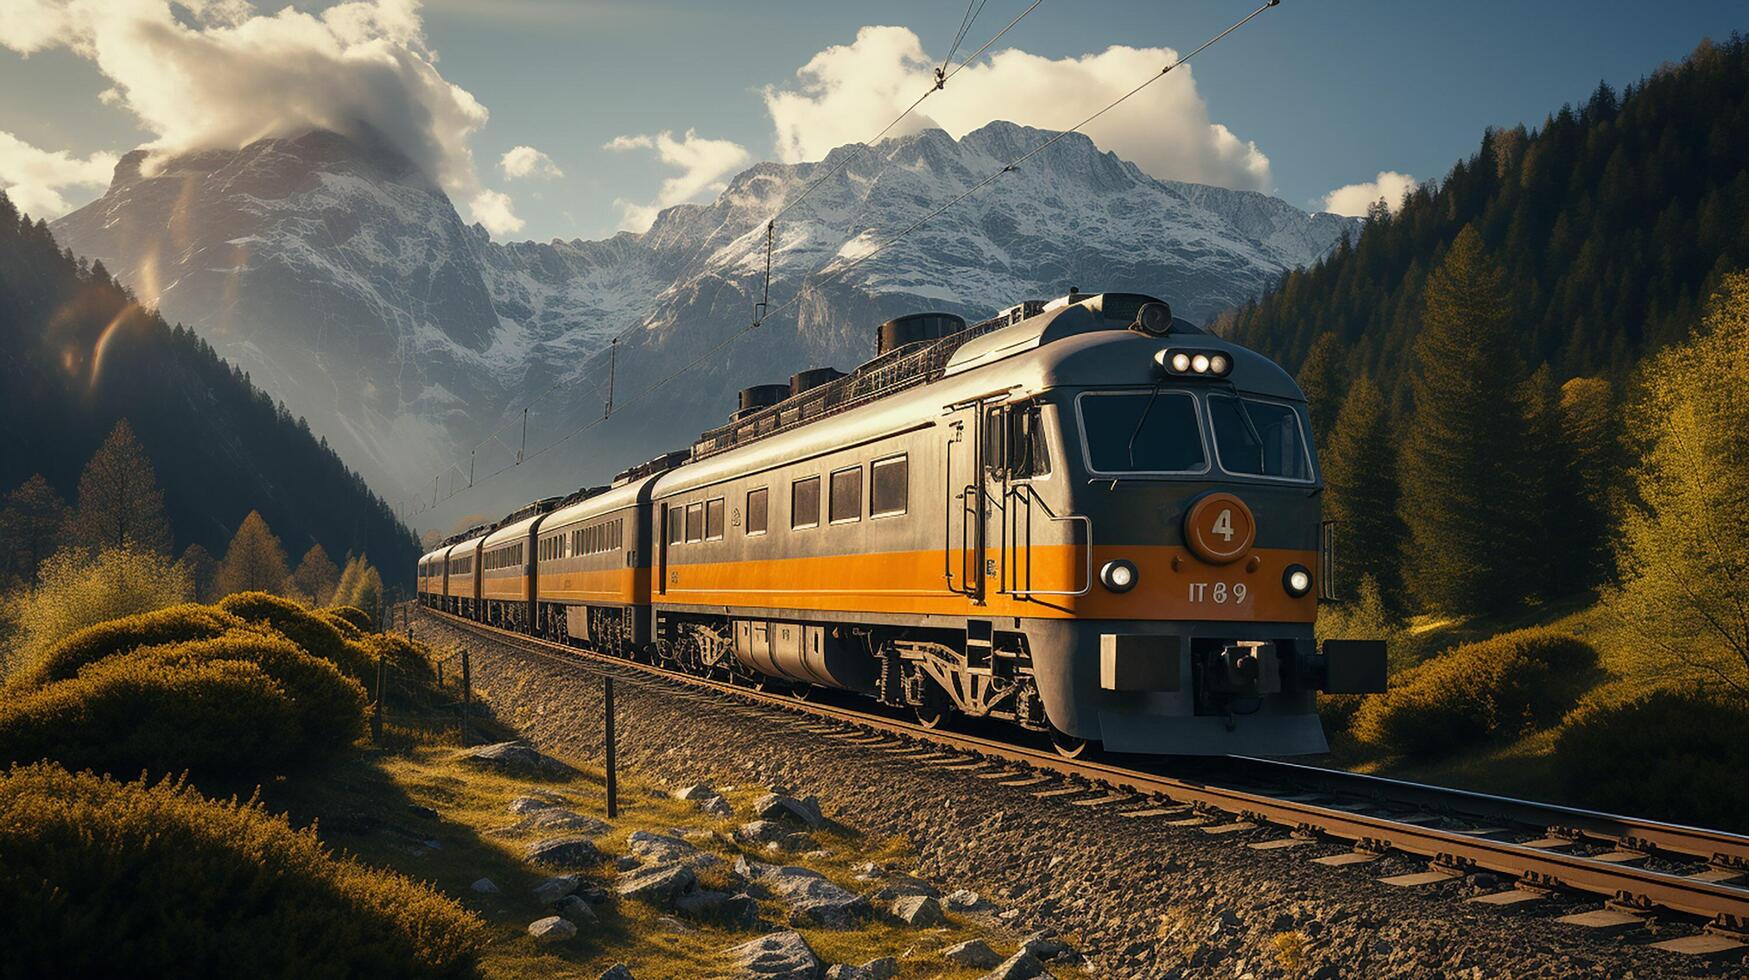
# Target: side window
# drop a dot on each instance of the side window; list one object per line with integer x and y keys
{"x": 847, "y": 495}
{"x": 1028, "y": 453}
{"x": 757, "y": 505}
{"x": 889, "y": 486}
{"x": 694, "y": 522}
{"x": 676, "y": 525}
{"x": 713, "y": 519}
{"x": 804, "y": 503}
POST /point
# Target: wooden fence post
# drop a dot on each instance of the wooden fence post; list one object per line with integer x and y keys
{"x": 612, "y": 780}
{"x": 376, "y": 712}
{"x": 467, "y": 693}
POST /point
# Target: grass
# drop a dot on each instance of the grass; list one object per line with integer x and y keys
{"x": 364, "y": 806}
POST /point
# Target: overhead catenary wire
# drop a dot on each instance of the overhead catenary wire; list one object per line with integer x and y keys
{"x": 811, "y": 282}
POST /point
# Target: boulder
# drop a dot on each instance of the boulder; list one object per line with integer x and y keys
{"x": 576, "y": 911}
{"x": 778, "y": 955}
{"x": 485, "y": 886}
{"x": 1044, "y": 945}
{"x": 962, "y": 899}
{"x": 777, "y": 806}
{"x": 536, "y": 801}
{"x": 663, "y": 849}
{"x": 697, "y": 791}
{"x": 618, "y": 971}
{"x": 761, "y": 832}
{"x": 551, "y": 890}
{"x": 740, "y": 911}
{"x": 552, "y": 929}
{"x": 716, "y": 806}
{"x": 811, "y": 897}
{"x": 558, "y": 818}
{"x": 657, "y": 884}
{"x": 1020, "y": 966}
{"x": 899, "y": 886}
{"x": 884, "y": 968}
{"x": 917, "y": 911}
{"x": 974, "y": 953}
{"x": 517, "y": 759}
{"x": 564, "y": 852}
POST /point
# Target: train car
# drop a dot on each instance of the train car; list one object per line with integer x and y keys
{"x": 593, "y": 556}
{"x": 1088, "y": 518}
{"x": 461, "y": 586}
{"x": 507, "y": 571}
{"x": 428, "y": 584}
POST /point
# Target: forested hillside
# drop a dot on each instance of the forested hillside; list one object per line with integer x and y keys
{"x": 77, "y": 355}
{"x": 1614, "y": 221}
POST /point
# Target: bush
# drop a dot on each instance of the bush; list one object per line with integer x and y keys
{"x": 408, "y": 667}
{"x": 126, "y": 879}
{"x": 1497, "y": 688}
{"x": 134, "y": 712}
{"x": 359, "y": 619}
{"x": 77, "y": 591}
{"x": 240, "y": 703}
{"x": 305, "y": 628}
{"x": 347, "y": 630}
{"x": 1669, "y": 754}
{"x": 173, "y": 625}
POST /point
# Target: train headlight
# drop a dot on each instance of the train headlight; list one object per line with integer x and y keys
{"x": 1297, "y": 580}
{"x": 1181, "y": 362}
{"x": 1118, "y": 575}
{"x": 1219, "y": 364}
{"x": 1200, "y": 364}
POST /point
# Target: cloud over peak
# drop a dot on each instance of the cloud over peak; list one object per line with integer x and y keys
{"x": 1353, "y": 200}
{"x": 34, "y": 178}
{"x": 846, "y": 93}
{"x": 202, "y": 74}
{"x": 703, "y": 165}
{"x": 526, "y": 161}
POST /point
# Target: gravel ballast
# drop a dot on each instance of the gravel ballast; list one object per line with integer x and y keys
{"x": 1138, "y": 898}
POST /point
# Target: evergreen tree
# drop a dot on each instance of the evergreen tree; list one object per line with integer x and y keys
{"x": 201, "y": 568}
{"x": 316, "y": 575}
{"x": 254, "y": 562}
{"x": 348, "y": 584}
{"x": 1469, "y": 493}
{"x": 30, "y": 529}
{"x": 1582, "y": 504}
{"x": 120, "y": 505}
{"x": 1361, "y": 495}
{"x": 1320, "y": 378}
{"x": 1683, "y": 555}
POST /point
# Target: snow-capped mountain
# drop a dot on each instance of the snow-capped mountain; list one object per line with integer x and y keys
{"x": 346, "y": 284}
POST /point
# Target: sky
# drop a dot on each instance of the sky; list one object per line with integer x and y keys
{"x": 551, "y": 119}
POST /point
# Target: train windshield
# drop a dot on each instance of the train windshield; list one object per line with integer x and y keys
{"x": 1142, "y": 432}
{"x": 1259, "y": 438}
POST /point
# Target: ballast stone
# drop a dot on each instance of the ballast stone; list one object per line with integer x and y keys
{"x": 776, "y": 956}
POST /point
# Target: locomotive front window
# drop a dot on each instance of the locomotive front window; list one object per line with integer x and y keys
{"x": 1142, "y": 432}
{"x": 1259, "y": 438}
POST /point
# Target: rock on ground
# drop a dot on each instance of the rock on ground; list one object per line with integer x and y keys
{"x": 780, "y": 955}
{"x": 618, "y": 971}
{"x": 551, "y": 890}
{"x": 663, "y": 849}
{"x": 517, "y": 759}
{"x": 485, "y": 886}
{"x": 777, "y": 806}
{"x": 974, "y": 953}
{"x": 536, "y": 801}
{"x": 575, "y": 910}
{"x": 657, "y": 884}
{"x": 884, "y": 968}
{"x": 697, "y": 791}
{"x": 962, "y": 899}
{"x": 811, "y": 897}
{"x": 552, "y": 929}
{"x": 917, "y": 911}
{"x": 1021, "y": 966}
{"x": 565, "y": 852}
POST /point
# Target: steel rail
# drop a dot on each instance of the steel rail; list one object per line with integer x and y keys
{"x": 1623, "y": 886}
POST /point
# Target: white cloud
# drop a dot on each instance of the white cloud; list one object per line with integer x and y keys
{"x": 526, "y": 161}
{"x": 202, "y": 74}
{"x": 703, "y": 164}
{"x": 1354, "y": 199}
{"x": 847, "y": 92}
{"x": 34, "y": 178}
{"x": 494, "y": 210}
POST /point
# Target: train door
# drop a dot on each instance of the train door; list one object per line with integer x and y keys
{"x": 661, "y": 545}
{"x": 962, "y": 546}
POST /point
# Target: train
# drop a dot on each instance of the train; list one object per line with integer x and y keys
{"x": 1085, "y": 518}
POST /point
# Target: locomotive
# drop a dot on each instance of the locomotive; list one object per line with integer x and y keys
{"x": 1083, "y": 517}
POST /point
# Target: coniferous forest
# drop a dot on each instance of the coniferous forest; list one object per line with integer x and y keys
{"x": 78, "y": 355}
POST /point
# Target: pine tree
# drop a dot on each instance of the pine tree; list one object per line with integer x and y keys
{"x": 1320, "y": 380}
{"x": 1590, "y": 438}
{"x": 120, "y": 504}
{"x": 30, "y": 528}
{"x": 348, "y": 583}
{"x": 316, "y": 575}
{"x": 202, "y": 569}
{"x": 1361, "y": 495}
{"x": 1468, "y": 490}
{"x": 254, "y": 562}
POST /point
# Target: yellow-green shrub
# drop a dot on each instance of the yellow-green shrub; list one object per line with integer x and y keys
{"x": 304, "y": 628}
{"x": 340, "y": 623}
{"x": 102, "y": 878}
{"x": 134, "y": 712}
{"x": 359, "y": 619}
{"x": 329, "y": 705}
{"x": 189, "y": 621}
{"x": 1669, "y": 754}
{"x": 1497, "y": 688}
{"x": 78, "y": 590}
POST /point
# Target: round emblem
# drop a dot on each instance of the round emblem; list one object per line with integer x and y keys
{"x": 1219, "y": 528}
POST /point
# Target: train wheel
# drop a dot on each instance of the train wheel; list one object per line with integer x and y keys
{"x": 1068, "y": 746}
{"x": 802, "y": 692}
{"x": 931, "y": 716}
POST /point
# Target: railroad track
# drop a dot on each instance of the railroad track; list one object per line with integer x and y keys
{"x": 1644, "y": 870}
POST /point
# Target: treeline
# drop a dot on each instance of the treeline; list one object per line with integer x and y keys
{"x": 79, "y": 355}
{"x": 1473, "y": 360}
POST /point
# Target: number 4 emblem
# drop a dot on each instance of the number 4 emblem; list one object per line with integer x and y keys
{"x": 1224, "y": 524}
